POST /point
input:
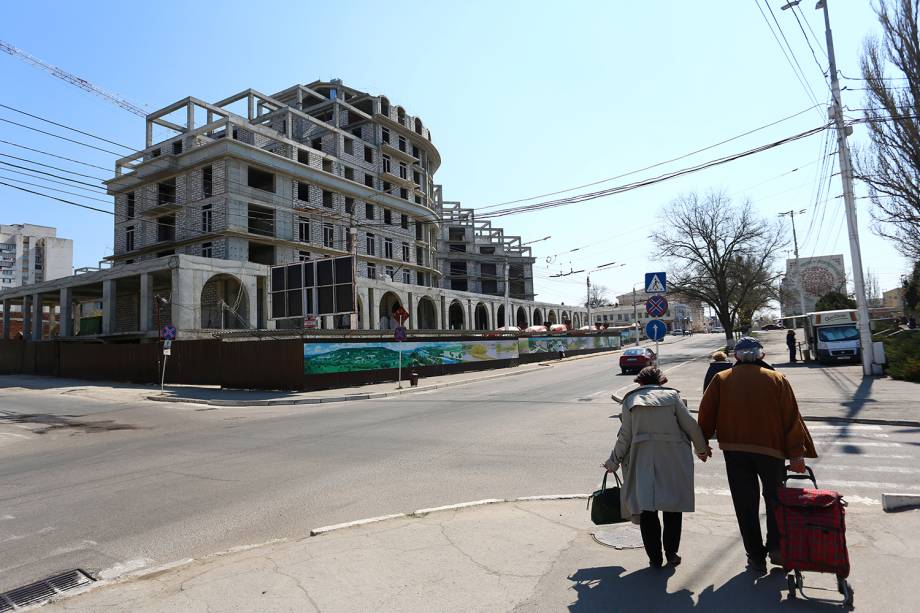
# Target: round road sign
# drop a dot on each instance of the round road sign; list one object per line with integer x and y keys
{"x": 656, "y": 330}
{"x": 656, "y": 306}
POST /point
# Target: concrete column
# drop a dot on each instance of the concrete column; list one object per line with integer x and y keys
{"x": 145, "y": 317}
{"x": 444, "y": 321}
{"x": 36, "y": 317}
{"x": 251, "y": 285}
{"x": 181, "y": 313}
{"x": 469, "y": 315}
{"x": 66, "y": 314}
{"x": 6, "y": 320}
{"x": 493, "y": 320}
{"x": 108, "y": 306}
{"x": 413, "y": 312}
{"x": 26, "y": 319}
{"x": 530, "y": 315}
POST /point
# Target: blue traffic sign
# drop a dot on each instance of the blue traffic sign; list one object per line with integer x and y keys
{"x": 399, "y": 333}
{"x": 656, "y": 306}
{"x": 168, "y": 332}
{"x": 656, "y": 283}
{"x": 656, "y": 330}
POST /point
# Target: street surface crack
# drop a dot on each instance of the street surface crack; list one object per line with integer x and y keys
{"x": 487, "y": 569}
{"x": 296, "y": 580}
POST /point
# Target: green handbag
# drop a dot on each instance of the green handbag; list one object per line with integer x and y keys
{"x": 605, "y": 503}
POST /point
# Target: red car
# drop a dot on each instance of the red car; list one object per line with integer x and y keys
{"x": 637, "y": 358}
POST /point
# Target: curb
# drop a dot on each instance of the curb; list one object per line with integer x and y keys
{"x": 421, "y": 513}
{"x": 900, "y": 502}
{"x": 369, "y": 396}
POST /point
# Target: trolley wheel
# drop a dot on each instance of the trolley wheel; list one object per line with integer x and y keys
{"x": 791, "y": 585}
{"x": 798, "y": 579}
{"x": 847, "y": 590}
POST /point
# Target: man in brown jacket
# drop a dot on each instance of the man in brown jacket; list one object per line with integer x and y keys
{"x": 753, "y": 412}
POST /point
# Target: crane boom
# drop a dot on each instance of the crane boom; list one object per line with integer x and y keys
{"x": 72, "y": 79}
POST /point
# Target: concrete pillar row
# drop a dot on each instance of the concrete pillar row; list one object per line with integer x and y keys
{"x": 26, "y": 319}
{"x": 108, "y": 306}
{"x": 251, "y": 285}
{"x": 66, "y": 312}
{"x": 413, "y": 312}
{"x": 145, "y": 318}
{"x": 36, "y": 317}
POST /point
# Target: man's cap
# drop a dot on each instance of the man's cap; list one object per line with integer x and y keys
{"x": 746, "y": 343}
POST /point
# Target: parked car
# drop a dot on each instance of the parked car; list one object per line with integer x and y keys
{"x": 677, "y": 333}
{"x": 718, "y": 330}
{"x": 635, "y": 359}
{"x": 772, "y": 327}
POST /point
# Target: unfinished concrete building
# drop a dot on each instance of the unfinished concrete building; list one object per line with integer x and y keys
{"x": 254, "y": 180}
{"x": 477, "y": 257}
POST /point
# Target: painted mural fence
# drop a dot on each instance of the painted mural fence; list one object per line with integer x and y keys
{"x": 327, "y": 358}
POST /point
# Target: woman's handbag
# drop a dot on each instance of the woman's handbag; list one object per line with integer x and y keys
{"x": 606, "y": 503}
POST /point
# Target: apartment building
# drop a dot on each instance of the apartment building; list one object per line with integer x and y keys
{"x": 32, "y": 254}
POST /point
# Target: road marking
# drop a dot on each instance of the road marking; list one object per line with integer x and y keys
{"x": 860, "y": 444}
{"x": 867, "y": 456}
{"x": 842, "y": 426}
{"x": 853, "y": 436}
{"x": 124, "y": 567}
{"x": 902, "y": 470}
{"x": 864, "y": 500}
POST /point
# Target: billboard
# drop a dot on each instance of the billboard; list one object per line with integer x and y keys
{"x": 312, "y": 288}
{"x": 555, "y": 344}
{"x": 809, "y": 279}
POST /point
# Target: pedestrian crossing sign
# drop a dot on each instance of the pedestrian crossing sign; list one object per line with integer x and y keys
{"x": 656, "y": 283}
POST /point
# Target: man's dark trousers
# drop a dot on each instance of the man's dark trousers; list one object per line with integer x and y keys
{"x": 744, "y": 469}
{"x": 792, "y": 353}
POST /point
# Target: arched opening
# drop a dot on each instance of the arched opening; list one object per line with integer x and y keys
{"x": 537, "y": 317}
{"x": 418, "y": 125}
{"x": 401, "y": 115}
{"x": 576, "y": 320}
{"x": 455, "y": 317}
{"x": 551, "y": 318}
{"x": 500, "y": 317}
{"x": 426, "y": 314}
{"x": 389, "y": 302}
{"x": 482, "y": 317}
{"x": 566, "y": 319}
{"x": 521, "y": 320}
{"x": 224, "y": 304}
{"x": 384, "y": 106}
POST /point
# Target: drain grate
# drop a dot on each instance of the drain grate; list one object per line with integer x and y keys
{"x": 44, "y": 590}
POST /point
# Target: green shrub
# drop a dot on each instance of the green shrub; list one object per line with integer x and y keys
{"x": 903, "y": 353}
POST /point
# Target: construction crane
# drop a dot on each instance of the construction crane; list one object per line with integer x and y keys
{"x": 72, "y": 79}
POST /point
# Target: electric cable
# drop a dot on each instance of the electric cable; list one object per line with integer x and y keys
{"x": 66, "y": 127}
{"x": 79, "y": 174}
{"x": 22, "y": 125}
{"x": 55, "y": 155}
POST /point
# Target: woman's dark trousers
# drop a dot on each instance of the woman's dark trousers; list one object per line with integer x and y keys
{"x": 652, "y": 536}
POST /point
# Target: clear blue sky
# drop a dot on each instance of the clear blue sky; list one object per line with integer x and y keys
{"x": 522, "y": 98}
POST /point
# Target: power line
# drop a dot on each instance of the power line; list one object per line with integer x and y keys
{"x": 79, "y": 174}
{"x": 807, "y": 23}
{"x": 655, "y": 165}
{"x": 70, "y": 185}
{"x": 54, "y": 155}
{"x": 54, "y": 189}
{"x": 654, "y": 180}
{"x": 71, "y": 202}
{"x": 807, "y": 41}
{"x": 51, "y": 175}
{"x": 799, "y": 74}
{"x": 22, "y": 125}
{"x": 66, "y": 127}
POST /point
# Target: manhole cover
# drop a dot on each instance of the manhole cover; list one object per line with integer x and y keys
{"x": 622, "y": 536}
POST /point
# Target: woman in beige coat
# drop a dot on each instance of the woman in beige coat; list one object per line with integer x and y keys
{"x": 653, "y": 446}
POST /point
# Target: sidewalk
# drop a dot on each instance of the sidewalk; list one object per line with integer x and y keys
{"x": 523, "y": 556}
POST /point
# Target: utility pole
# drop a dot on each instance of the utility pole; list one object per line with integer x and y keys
{"x": 795, "y": 241}
{"x": 588, "y": 303}
{"x": 507, "y": 293}
{"x": 846, "y": 177}
{"x": 635, "y": 316}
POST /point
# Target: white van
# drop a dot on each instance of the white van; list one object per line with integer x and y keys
{"x": 833, "y": 336}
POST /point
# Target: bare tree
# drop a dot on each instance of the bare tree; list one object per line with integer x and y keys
{"x": 891, "y": 164}
{"x": 599, "y": 296}
{"x": 721, "y": 254}
{"x": 873, "y": 290}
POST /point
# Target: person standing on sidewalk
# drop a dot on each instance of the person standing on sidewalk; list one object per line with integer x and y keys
{"x": 653, "y": 446}
{"x": 752, "y": 410}
{"x": 719, "y": 363}
{"x": 790, "y": 343}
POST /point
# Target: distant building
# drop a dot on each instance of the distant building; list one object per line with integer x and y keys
{"x": 32, "y": 254}
{"x": 894, "y": 299}
{"x": 815, "y": 277}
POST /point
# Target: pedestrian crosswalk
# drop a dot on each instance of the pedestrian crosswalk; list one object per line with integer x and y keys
{"x": 861, "y": 461}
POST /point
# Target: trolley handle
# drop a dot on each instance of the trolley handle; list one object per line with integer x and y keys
{"x": 810, "y": 475}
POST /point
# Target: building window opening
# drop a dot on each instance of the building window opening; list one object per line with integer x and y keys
{"x": 458, "y": 279}
{"x": 207, "y": 250}
{"x": 368, "y": 210}
{"x": 349, "y": 146}
{"x": 129, "y": 238}
{"x": 328, "y": 199}
{"x": 303, "y": 229}
{"x": 261, "y": 254}
{"x": 177, "y": 147}
{"x": 404, "y": 222}
{"x": 388, "y": 217}
{"x": 261, "y": 179}
{"x": 303, "y": 156}
{"x": 371, "y": 270}
{"x": 328, "y": 236}
{"x": 166, "y": 228}
{"x": 166, "y": 192}
{"x": 368, "y": 154}
{"x": 303, "y": 191}
{"x": 207, "y": 182}
{"x": 207, "y": 218}
{"x": 129, "y": 206}
{"x": 261, "y": 220}
{"x": 388, "y": 248}
{"x": 371, "y": 244}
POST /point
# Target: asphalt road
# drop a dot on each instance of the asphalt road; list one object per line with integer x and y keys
{"x": 107, "y": 485}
